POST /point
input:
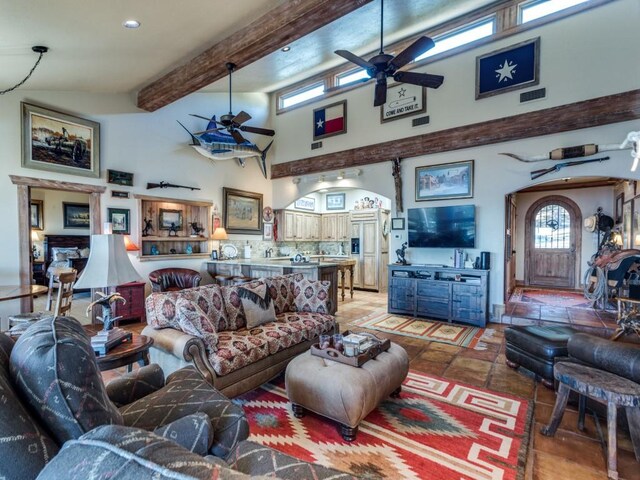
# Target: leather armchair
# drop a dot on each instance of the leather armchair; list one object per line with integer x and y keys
{"x": 170, "y": 279}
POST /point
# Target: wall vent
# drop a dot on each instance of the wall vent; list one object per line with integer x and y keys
{"x": 316, "y": 145}
{"x": 420, "y": 121}
{"x": 533, "y": 95}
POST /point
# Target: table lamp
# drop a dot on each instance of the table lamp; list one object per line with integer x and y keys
{"x": 219, "y": 234}
{"x": 108, "y": 266}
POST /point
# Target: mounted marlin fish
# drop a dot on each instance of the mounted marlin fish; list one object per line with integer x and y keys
{"x": 223, "y": 146}
{"x": 216, "y": 145}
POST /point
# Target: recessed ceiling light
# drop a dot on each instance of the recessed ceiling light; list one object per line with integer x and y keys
{"x": 286, "y": 49}
{"x": 131, "y": 24}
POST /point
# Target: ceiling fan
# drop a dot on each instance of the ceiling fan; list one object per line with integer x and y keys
{"x": 234, "y": 123}
{"x": 383, "y": 65}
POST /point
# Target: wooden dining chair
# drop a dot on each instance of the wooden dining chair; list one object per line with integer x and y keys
{"x": 65, "y": 293}
{"x": 54, "y": 282}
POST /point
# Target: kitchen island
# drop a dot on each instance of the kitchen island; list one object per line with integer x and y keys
{"x": 271, "y": 267}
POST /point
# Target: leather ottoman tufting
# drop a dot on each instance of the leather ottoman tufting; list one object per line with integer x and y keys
{"x": 535, "y": 347}
{"x": 341, "y": 392}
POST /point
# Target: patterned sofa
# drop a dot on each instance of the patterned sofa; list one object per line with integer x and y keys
{"x": 238, "y": 337}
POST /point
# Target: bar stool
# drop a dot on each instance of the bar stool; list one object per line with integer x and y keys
{"x": 223, "y": 279}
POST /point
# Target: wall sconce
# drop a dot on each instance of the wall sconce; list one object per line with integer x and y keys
{"x": 328, "y": 177}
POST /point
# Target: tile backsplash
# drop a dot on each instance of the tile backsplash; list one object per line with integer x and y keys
{"x": 285, "y": 249}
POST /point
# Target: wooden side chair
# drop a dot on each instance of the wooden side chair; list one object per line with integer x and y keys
{"x": 54, "y": 282}
{"x": 65, "y": 293}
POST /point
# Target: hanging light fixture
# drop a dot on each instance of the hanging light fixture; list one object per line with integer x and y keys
{"x": 37, "y": 49}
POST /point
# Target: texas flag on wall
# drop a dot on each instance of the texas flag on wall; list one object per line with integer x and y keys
{"x": 330, "y": 120}
{"x": 508, "y": 69}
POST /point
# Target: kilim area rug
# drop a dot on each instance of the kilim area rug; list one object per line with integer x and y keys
{"x": 433, "y": 331}
{"x": 437, "y": 429}
{"x": 551, "y": 298}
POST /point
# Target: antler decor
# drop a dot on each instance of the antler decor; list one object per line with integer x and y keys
{"x": 105, "y": 302}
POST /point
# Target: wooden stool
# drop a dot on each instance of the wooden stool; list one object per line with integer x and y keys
{"x": 604, "y": 387}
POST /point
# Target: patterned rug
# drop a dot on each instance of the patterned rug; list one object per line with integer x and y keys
{"x": 433, "y": 331}
{"x": 437, "y": 429}
{"x": 551, "y": 298}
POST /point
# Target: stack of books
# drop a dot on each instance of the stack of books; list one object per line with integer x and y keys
{"x": 105, "y": 340}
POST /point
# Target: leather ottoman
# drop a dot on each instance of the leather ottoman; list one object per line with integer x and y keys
{"x": 341, "y": 392}
{"x": 535, "y": 347}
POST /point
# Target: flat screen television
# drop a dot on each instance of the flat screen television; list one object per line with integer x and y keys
{"x": 442, "y": 227}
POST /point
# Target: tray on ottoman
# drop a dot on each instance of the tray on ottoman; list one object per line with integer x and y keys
{"x": 357, "y": 360}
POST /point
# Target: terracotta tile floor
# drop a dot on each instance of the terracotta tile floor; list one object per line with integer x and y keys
{"x": 571, "y": 454}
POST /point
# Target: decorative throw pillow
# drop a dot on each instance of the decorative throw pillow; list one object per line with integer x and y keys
{"x": 193, "y": 320}
{"x": 257, "y": 304}
{"x": 67, "y": 393}
{"x": 312, "y": 296}
{"x": 84, "y": 253}
{"x": 69, "y": 252}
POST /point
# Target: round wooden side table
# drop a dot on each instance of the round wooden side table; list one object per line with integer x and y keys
{"x": 125, "y": 354}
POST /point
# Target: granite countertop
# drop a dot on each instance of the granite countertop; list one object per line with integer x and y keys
{"x": 274, "y": 262}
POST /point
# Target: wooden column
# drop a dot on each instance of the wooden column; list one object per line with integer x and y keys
{"x": 24, "y": 244}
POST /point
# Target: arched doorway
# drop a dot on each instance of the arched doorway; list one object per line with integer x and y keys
{"x": 552, "y": 234}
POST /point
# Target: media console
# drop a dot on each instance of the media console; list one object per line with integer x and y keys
{"x": 439, "y": 292}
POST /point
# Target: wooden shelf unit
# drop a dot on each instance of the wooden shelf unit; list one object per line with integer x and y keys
{"x": 192, "y": 210}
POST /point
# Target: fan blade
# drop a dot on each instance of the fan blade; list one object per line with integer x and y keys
{"x": 259, "y": 131}
{"x": 237, "y": 136}
{"x": 200, "y": 116}
{"x": 422, "y": 79}
{"x": 380, "y": 97}
{"x": 410, "y": 53}
{"x": 240, "y": 118}
{"x": 355, "y": 59}
{"x": 211, "y": 130}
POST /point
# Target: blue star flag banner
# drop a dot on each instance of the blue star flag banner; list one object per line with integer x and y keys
{"x": 511, "y": 67}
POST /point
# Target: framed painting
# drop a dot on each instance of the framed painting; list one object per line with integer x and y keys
{"x": 403, "y": 99}
{"x": 305, "y": 203}
{"x": 242, "y": 211}
{"x": 59, "y": 142}
{"x": 37, "y": 215}
{"x": 330, "y": 120}
{"x": 444, "y": 181}
{"x": 120, "y": 178}
{"x": 511, "y": 68}
{"x": 267, "y": 233}
{"x": 335, "y": 201}
{"x": 119, "y": 219}
{"x": 76, "y": 215}
{"x": 168, "y": 219}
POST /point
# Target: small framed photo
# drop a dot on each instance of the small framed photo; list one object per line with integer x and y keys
{"x": 305, "y": 203}
{"x": 403, "y": 99}
{"x": 335, "y": 201}
{"x": 119, "y": 194}
{"x": 76, "y": 215}
{"x": 397, "y": 223}
{"x": 444, "y": 181}
{"x": 267, "y": 231}
{"x": 168, "y": 219}
{"x": 119, "y": 219}
{"x": 37, "y": 215}
{"x": 330, "y": 120}
{"x": 120, "y": 178}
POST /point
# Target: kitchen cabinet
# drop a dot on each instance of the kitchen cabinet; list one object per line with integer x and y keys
{"x": 294, "y": 226}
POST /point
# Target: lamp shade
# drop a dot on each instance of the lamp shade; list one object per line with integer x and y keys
{"x": 219, "y": 234}
{"x": 108, "y": 264}
{"x": 129, "y": 245}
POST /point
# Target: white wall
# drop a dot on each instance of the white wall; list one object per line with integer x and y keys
{"x": 150, "y": 145}
{"x": 582, "y": 57}
{"x": 587, "y": 199}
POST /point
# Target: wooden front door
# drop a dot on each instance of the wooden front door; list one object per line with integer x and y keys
{"x": 509, "y": 245}
{"x": 552, "y": 230}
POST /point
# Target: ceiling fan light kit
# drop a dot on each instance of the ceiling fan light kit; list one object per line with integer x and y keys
{"x": 382, "y": 65}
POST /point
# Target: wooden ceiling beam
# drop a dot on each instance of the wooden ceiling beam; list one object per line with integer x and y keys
{"x": 284, "y": 24}
{"x": 620, "y": 107}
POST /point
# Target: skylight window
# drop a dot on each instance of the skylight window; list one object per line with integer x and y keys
{"x": 454, "y": 39}
{"x": 533, "y": 10}
{"x": 302, "y": 95}
{"x": 351, "y": 76}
